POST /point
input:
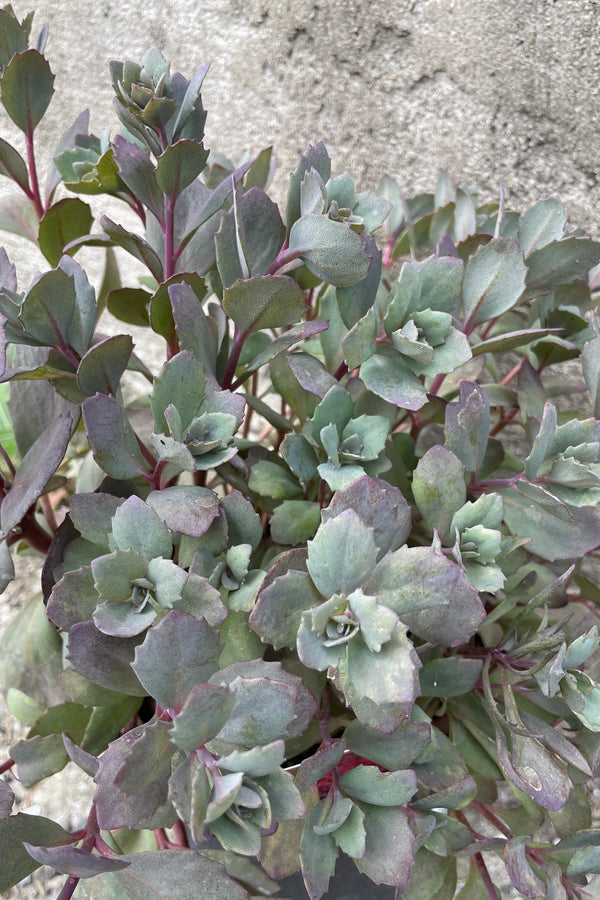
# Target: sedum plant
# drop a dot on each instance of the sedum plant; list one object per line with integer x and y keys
{"x": 328, "y": 585}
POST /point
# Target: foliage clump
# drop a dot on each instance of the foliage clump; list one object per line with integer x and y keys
{"x": 330, "y": 584}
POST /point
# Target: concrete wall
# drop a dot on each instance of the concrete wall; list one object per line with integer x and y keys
{"x": 494, "y": 92}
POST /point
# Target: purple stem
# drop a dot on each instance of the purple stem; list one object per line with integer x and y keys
{"x": 33, "y": 177}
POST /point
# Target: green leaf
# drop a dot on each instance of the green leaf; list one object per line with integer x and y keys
{"x": 555, "y": 530}
{"x": 314, "y": 158}
{"x": 342, "y": 554}
{"x": 101, "y": 368}
{"x": 509, "y": 341}
{"x": 331, "y": 250}
{"x": 452, "y": 675}
{"x": 439, "y": 489}
{"x": 541, "y": 224}
{"x": 202, "y": 716}
{"x": 269, "y": 479}
{"x": 129, "y": 305}
{"x": 179, "y": 165}
{"x": 295, "y": 521}
{"x": 12, "y": 165}
{"x": 18, "y": 216}
{"x": 104, "y": 659}
{"x": 265, "y": 301}
{"x": 134, "y": 245}
{"x": 392, "y": 751}
{"x": 370, "y": 785}
{"x": 17, "y": 863}
{"x": 387, "y": 375}
{"x": 177, "y": 654}
{"x": 467, "y": 425}
{"x": 155, "y": 875}
{"x": 38, "y": 758}
{"x": 318, "y": 854}
{"x": 277, "y": 613}
{"x": 250, "y": 236}
{"x": 388, "y": 856}
{"x": 62, "y": 223}
{"x": 181, "y": 384}
{"x": 27, "y": 88}
{"x": 561, "y": 262}
{"x": 112, "y": 439}
{"x": 494, "y": 280}
{"x": 73, "y": 861}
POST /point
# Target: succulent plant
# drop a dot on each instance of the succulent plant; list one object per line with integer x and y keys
{"x": 329, "y": 584}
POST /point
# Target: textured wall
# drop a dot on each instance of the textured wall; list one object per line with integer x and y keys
{"x": 496, "y": 93}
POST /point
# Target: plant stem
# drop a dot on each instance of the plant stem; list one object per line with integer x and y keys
{"x": 485, "y": 877}
{"x": 33, "y": 176}
{"x": 169, "y": 235}
{"x": 238, "y": 342}
{"x": 6, "y": 766}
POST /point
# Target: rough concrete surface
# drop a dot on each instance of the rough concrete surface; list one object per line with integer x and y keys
{"x": 495, "y": 93}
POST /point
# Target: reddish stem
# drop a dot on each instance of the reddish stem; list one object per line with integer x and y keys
{"x": 6, "y": 766}
{"x": 34, "y": 184}
{"x": 485, "y": 877}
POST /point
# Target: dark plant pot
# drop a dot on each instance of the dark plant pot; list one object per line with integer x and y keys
{"x": 347, "y": 884}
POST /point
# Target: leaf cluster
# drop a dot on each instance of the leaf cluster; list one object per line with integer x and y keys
{"x": 330, "y": 586}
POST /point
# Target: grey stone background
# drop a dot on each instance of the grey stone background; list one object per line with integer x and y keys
{"x": 496, "y": 93}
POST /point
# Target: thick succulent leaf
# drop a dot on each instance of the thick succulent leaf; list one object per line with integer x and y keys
{"x": 179, "y": 653}
{"x": 541, "y": 224}
{"x": 278, "y": 611}
{"x": 331, "y": 250}
{"x": 379, "y": 505}
{"x": 467, "y": 425}
{"x": 134, "y": 245}
{"x": 295, "y": 521}
{"x": 388, "y": 856}
{"x": 13, "y": 166}
{"x": 250, "y": 237}
{"x": 39, "y": 757}
{"x": 285, "y": 341}
{"x": 136, "y": 527}
{"x": 494, "y": 280}
{"x": 315, "y": 158}
{"x": 112, "y": 439}
{"x": 318, "y": 854}
{"x": 133, "y": 776}
{"x": 202, "y": 716}
{"x": 452, "y": 675}
{"x": 18, "y": 216}
{"x": 92, "y": 515}
{"x": 103, "y": 659}
{"x": 393, "y": 751}
{"x": 387, "y": 375}
{"x": 356, "y": 300}
{"x": 561, "y": 262}
{"x": 519, "y": 869}
{"x": 179, "y": 165}
{"x": 185, "y": 509}
{"x": 30, "y": 654}
{"x": 439, "y": 489}
{"x": 180, "y": 383}
{"x": 555, "y": 530}
{"x": 62, "y": 223}
{"x": 73, "y": 861}
{"x": 264, "y": 301}
{"x": 138, "y": 173}
{"x": 341, "y": 554}
{"x": 369, "y": 785}
{"x": 17, "y": 863}
{"x": 39, "y": 464}
{"x": 196, "y": 331}
{"x": 27, "y": 88}
{"x": 286, "y": 704}
{"x": 102, "y": 367}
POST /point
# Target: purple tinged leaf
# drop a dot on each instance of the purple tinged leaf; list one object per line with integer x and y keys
{"x": 379, "y": 505}
{"x": 112, "y": 439}
{"x": 39, "y": 464}
{"x": 92, "y": 515}
{"x": 388, "y": 857}
{"x": 179, "y": 165}
{"x": 331, "y": 250}
{"x": 101, "y": 368}
{"x": 520, "y": 870}
{"x": 318, "y": 854}
{"x": 16, "y": 862}
{"x": 133, "y": 777}
{"x": 72, "y": 861}
{"x": 369, "y": 785}
{"x": 439, "y": 489}
{"x": 387, "y": 376}
{"x": 62, "y": 223}
{"x": 315, "y": 767}
{"x": 179, "y": 653}
{"x": 104, "y": 659}
{"x": 138, "y": 173}
{"x": 467, "y": 425}
{"x": 86, "y": 761}
{"x": 134, "y": 245}
{"x": 27, "y": 88}
{"x": 13, "y": 166}
{"x": 278, "y": 610}
{"x": 185, "y": 509}
{"x": 392, "y": 751}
